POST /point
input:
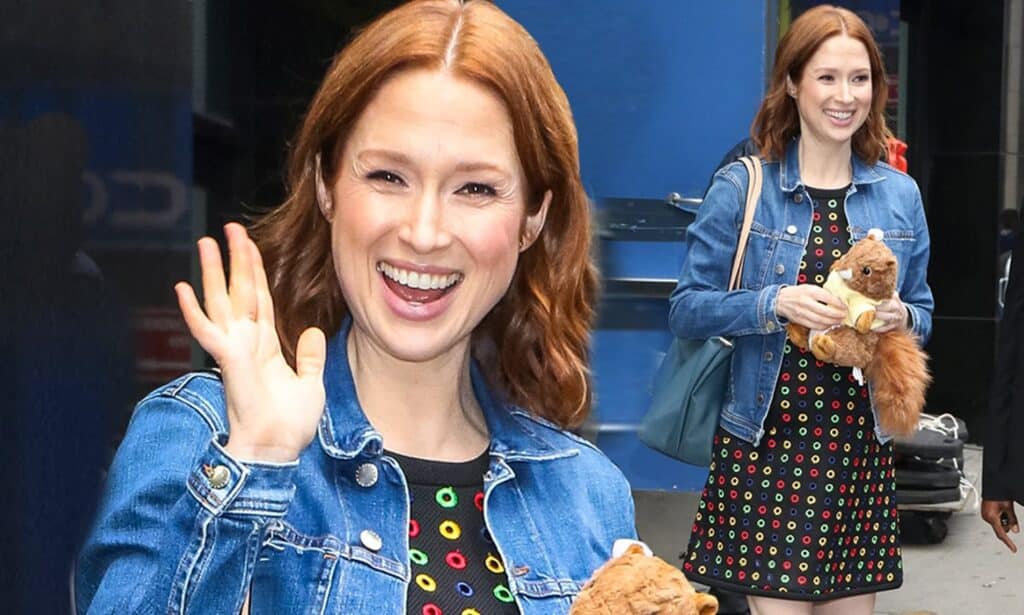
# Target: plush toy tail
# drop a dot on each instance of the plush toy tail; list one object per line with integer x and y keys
{"x": 899, "y": 377}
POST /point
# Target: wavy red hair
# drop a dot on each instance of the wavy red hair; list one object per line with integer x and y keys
{"x": 535, "y": 342}
{"x": 777, "y": 121}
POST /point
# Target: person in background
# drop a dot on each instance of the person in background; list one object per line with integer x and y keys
{"x": 799, "y": 510}
{"x": 1002, "y": 481}
{"x": 402, "y": 345}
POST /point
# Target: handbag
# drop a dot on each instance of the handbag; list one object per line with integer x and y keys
{"x": 689, "y": 387}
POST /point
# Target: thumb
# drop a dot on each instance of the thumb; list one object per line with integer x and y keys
{"x": 311, "y": 354}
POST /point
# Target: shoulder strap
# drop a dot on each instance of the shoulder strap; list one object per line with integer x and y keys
{"x": 754, "y": 179}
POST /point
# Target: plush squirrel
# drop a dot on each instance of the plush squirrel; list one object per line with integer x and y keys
{"x": 635, "y": 582}
{"x": 893, "y": 362}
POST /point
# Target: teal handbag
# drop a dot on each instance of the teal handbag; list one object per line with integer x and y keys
{"x": 689, "y": 388}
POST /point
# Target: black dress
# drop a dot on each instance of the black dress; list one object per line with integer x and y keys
{"x": 809, "y": 513}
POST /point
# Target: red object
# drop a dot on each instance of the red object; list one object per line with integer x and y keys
{"x": 896, "y": 150}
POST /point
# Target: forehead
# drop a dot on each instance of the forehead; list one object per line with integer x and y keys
{"x": 424, "y": 112}
{"x": 840, "y": 49}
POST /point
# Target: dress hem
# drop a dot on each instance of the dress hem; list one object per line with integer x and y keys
{"x": 798, "y": 597}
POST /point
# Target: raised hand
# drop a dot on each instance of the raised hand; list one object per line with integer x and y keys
{"x": 811, "y": 306}
{"x": 273, "y": 410}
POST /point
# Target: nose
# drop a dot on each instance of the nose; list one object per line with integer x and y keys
{"x": 845, "y": 93}
{"x": 424, "y": 228}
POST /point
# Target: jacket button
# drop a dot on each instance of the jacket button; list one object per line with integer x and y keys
{"x": 768, "y": 356}
{"x": 760, "y": 398}
{"x": 366, "y": 475}
{"x": 770, "y": 326}
{"x": 797, "y": 197}
{"x": 780, "y": 269}
{"x": 371, "y": 540}
{"x": 217, "y": 476}
{"x": 791, "y": 229}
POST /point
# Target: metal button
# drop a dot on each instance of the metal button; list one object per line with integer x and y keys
{"x": 780, "y": 269}
{"x": 791, "y": 229}
{"x": 217, "y": 476}
{"x": 371, "y": 540}
{"x": 760, "y": 398}
{"x": 366, "y": 475}
{"x": 488, "y": 476}
{"x": 797, "y": 197}
{"x": 768, "y": 356}
{"x": 770, "y": 326}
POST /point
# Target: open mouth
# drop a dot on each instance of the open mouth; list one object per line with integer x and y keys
{"x": 418, "y": 286}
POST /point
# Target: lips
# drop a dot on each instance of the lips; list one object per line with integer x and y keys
{"x": 418, "y": 286}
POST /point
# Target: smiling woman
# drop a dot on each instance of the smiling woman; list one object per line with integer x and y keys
{"x": 399, "y": 356}
{"x": 799, "y": 461}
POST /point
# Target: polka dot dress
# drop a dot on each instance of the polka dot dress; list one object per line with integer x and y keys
{"x": 456, "y": 567}
{"x": 809, "y": 513}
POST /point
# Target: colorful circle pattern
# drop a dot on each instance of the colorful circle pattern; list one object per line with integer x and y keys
{"x": 810, "y": 513}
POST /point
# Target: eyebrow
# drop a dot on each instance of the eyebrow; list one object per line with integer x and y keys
{"x": 404, "y": 160}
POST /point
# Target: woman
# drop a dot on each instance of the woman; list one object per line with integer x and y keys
{"x": 416, "y": 462}
{"x": 799, "y": 511}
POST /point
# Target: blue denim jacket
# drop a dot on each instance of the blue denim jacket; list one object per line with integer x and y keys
{"x": 879, "y": 197}
{"x": 176, "y": 534}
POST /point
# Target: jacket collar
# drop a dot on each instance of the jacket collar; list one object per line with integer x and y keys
{"x": 346, "y": 433}
{"x": 789, "y": 170}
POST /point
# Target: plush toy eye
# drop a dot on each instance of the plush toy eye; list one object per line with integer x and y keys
{"x": 866, "y": 270}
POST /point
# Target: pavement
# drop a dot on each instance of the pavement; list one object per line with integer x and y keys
{"x": 969, "y": 573}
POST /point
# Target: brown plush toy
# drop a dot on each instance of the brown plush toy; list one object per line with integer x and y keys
{"x": 892, "y": 362}
{"x": 638, "y": 583}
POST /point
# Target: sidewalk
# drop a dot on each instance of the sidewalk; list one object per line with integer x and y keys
{"x": 969, "y": 573}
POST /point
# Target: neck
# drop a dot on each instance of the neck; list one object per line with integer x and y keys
{"x": 824, "y": 165}
{"x": 422, "y": 409}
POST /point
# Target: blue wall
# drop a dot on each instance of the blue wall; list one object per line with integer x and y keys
{"x": 660, "y": 89}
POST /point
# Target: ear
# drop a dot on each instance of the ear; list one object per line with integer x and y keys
{"x": 534, "y": 223}
{"x": 790, "y": 87}
{"x": 706, "y": 603}
{"x": 323, "y": 196}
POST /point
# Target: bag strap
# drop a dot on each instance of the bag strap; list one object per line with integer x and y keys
{"x": 754, "y": 180}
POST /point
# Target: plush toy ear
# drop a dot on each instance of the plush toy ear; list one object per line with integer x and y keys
{"x": 706, "y": 603}
{"x": 876, "y": 233}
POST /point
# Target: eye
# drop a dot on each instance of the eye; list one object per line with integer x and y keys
{"x": 825, "y": 78}
{"x": 476, "y": 189}
{"x": 386, "y": 176}
{"x": 862, "y": 78}
{"x": 866, "y": 270}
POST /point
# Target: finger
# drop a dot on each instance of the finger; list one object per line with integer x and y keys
{"x": 215, "y": 294}
{"x": 311, "y": 354}
{"x": 241, "y": 289}
{"x": 204, "y": 331}
{"x": 264, "y": 301}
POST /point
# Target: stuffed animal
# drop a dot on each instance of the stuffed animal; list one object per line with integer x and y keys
{"x": 635, "y": 582}
{"x": 892, "y": 362}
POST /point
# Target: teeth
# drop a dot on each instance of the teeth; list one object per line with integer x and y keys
{"x": 415, "y": 279}
{"x": 840, "y": 115}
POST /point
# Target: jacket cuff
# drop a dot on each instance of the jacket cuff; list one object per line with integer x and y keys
{"x": 769, "y": 320}
{"x": 225, "y": 485}
{"x": 912, "y": 320}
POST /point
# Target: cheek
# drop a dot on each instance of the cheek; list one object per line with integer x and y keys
{"x": 494, "y": 245}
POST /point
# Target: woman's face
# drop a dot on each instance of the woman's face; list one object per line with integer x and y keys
{"x": 428, "y": 209}
{"x": 834, "y": 92}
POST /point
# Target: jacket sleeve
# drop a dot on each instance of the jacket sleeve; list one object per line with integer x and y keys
{"x": 915, "y": 292}
{"x": 701, "y": 306}
{"x": 181, "y": 521}
{"x": 996, "y": 478}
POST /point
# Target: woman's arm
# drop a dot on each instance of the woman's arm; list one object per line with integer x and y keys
{"x": 915, "y": 292}
{"x": 700, "y": 306}
{"x": 181, "y": 521}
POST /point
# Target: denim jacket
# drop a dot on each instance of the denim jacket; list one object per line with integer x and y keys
{"x": 879, "y": 197}
{"x": 185, "y": 528}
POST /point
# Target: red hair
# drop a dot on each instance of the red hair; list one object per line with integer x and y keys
{"x": 778, "y": 121}
{"x": 537, "y": 337}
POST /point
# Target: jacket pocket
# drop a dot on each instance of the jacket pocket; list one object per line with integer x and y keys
{"x": 293, "y": 572}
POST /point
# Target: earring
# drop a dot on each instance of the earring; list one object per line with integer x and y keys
{"x": 323, "y": 198}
